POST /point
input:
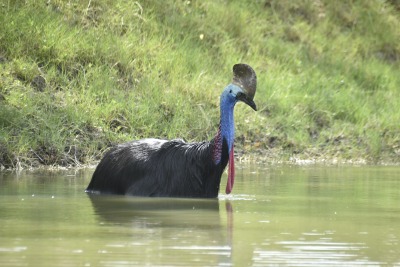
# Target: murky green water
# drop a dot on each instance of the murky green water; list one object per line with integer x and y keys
{"x": 276, "y": 216}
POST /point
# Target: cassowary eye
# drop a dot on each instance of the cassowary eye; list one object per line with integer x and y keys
{"x": 230, "y": 91}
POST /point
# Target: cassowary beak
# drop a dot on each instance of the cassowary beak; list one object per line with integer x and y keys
{"x": 242, "y": 97}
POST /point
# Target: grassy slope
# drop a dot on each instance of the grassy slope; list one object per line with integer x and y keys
{"x": 79, "y": 76}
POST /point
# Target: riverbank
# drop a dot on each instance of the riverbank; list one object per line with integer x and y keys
{"x": 77, "y": 78}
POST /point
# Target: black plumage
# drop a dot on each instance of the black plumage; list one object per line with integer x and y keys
{"x": 159, "y": 168}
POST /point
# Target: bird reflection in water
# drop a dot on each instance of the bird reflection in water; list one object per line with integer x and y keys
{"x": 192, "y": 226}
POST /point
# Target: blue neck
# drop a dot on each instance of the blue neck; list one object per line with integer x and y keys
{"x": 226, "y": 129}
{"x": 227, "y": 125}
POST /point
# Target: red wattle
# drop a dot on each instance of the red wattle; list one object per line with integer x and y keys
{"x": 231, "y": 172}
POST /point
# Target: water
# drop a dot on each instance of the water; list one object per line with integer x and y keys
{"x": 276, "y": 216}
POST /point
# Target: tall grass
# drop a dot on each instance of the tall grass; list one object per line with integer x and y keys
{"x": 79, "y": 76}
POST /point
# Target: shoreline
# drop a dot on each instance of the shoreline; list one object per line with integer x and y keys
{"x": 249, "y": 159}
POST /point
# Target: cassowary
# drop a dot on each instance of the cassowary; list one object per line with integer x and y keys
{"x": 162, "y": 168}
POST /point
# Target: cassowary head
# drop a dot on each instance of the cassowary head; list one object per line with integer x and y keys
{"x": 242, "y": 88}
{"x": 245, "y": 77}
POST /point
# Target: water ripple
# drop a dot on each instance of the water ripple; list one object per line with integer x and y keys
{"x": 312, "y": 253}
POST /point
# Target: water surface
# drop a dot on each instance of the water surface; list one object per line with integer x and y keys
{"x": 276, "y": 216}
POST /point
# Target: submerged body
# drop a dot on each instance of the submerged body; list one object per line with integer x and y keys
{"x": 162, "y": 168}
{"x": 148, "y": 168}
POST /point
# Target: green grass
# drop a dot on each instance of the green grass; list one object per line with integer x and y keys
{"x": 113, "y": 71}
